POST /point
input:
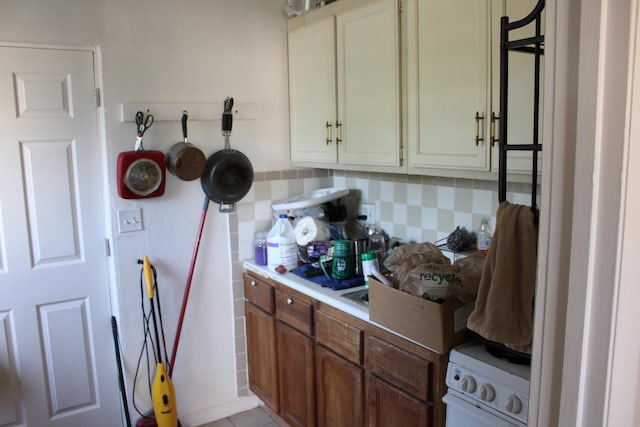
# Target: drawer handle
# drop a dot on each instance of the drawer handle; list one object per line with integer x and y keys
{"x": 254, "y": 283}
{"x": 289, "y": 301}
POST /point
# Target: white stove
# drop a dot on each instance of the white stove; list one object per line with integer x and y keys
{"x": 485, "y": 390}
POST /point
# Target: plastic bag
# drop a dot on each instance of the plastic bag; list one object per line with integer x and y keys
{"x": 411, "y": 255}
{"x": 469, "y": 271}
{"x": 430, "y": 281}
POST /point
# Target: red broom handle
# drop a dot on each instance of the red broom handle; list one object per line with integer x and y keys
{"x": 187, "y": 288}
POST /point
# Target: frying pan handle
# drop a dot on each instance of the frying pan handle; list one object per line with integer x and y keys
{"x": 227, "y": 207}
{"x": 185, "y": 116}
{"x": 227, "y": 117}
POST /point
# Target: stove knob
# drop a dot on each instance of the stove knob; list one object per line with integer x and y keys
{"x": 468, "y": 384}
{"x": 487, "y": 393}
{"x": 514, "y": 404}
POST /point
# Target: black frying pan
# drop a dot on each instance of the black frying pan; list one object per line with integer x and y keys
{"x": 228, "y": 174}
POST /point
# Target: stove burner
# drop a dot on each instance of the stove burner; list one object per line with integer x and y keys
{"x": 503, "y": 352}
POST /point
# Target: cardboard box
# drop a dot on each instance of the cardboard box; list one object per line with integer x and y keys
{"x": 437, "y": 326}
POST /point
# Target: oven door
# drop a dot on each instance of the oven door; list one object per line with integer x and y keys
{"x": 462, "y": 413}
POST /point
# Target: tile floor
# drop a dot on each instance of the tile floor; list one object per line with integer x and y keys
{"x": 257, "y": 417}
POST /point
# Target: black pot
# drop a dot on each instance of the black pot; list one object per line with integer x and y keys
{"x": 228, "y": 174}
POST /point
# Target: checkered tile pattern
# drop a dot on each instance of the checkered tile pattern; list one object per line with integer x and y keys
{"x": 412, "y": 208}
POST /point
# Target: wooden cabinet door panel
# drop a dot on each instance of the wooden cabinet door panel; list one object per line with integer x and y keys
{"x": 297, "y": 386}
{"x": 341, "y": 337}
{"x": 262, "y": 356}
{"x": 390, "y": 407}
{"x": 340, "y": 390}
{"x": 411, "y": 373}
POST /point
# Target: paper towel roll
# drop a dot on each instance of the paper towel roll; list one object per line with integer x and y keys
{"x": 310, "y": 229}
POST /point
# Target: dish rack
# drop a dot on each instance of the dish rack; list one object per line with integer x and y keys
{"x": 533, "y": 46}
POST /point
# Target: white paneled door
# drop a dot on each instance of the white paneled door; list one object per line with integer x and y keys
{"x": 57, "y": 364}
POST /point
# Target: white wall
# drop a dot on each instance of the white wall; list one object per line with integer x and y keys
{"x": 192, "y": 51}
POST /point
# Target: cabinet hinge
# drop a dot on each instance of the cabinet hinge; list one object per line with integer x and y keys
{"x": 107, "y": 246}
{"x": 400, "y": 6}
{"x": 97, "y": 97}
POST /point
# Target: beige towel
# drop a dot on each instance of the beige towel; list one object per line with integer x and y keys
{"x": 504, "y": 307}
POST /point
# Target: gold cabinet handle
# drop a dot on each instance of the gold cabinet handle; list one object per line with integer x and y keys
{"x": 327, "y": 133}
{"x": 494, "y": 118}
{"x": 339, "y": 132}
{"x": 478, "y": 138}
{"x": 289, "y": 301}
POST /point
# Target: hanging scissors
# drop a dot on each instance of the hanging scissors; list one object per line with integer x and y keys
{"x": 142, "y": 125}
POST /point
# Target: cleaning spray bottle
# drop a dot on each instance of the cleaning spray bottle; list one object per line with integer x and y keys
{"x": 484, "y": 237}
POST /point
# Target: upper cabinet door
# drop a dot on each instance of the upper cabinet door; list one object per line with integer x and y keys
{"x": 368, "y": 70}
{"x": 521, "y": 87}
{"x": 448, "y": 83}
{"x": 312, "y": 92}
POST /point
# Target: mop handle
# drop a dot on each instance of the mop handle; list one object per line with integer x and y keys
{"x": 148, "y": 278}
{"x": 185, "y": 297}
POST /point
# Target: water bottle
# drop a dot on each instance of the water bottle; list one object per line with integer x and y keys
{"x": 282, "y": 248}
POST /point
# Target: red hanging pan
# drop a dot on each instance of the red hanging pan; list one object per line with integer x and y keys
{"x": 141, "y": 173}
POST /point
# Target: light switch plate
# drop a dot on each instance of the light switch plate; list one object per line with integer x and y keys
{"x": 368, "y": 210}
{"x": 129, "y": 220}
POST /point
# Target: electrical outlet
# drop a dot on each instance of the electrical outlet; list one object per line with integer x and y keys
{"x": 368, "y": 210}
{"x": 129, "y": 220}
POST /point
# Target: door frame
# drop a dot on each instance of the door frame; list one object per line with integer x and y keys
{"x": 578, "y": 306}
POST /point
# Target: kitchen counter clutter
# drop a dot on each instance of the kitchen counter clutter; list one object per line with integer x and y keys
{"x": 316, "y": 358}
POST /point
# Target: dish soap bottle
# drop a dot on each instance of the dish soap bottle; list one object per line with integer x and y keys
{"x": 484, "y": 237}
{"x": 282, "y": 248}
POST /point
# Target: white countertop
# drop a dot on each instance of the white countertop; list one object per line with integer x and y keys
{"x": 325, "y": 295}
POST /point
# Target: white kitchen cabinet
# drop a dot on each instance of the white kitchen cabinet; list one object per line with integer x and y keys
{"x": 453, "y": 71}
{"x": 448, "y": 83}
{"x": 344, "y": 86}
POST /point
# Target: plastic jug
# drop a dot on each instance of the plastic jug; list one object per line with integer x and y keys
{"x": 282, "y": 248}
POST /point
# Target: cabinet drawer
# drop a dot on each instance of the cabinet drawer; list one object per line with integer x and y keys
{"x": 405, "y": 370}
{"x": 294, "y": 312}
{"x": 259, "y": 293}
{"x": 341, "y": 337}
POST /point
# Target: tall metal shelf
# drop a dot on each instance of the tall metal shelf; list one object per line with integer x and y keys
{"x": 530, "y": 45}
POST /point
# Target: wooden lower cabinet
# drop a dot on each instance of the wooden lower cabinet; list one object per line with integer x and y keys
{"x": 297, "y": 384}
{"x": 388, "y": 406}
{"x": 314, "y": 364}
{"x": 262, "y": 356}
{"x": 340, "y": 390}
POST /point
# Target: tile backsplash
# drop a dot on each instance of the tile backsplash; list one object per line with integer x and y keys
{"x": 409, "y": 207}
